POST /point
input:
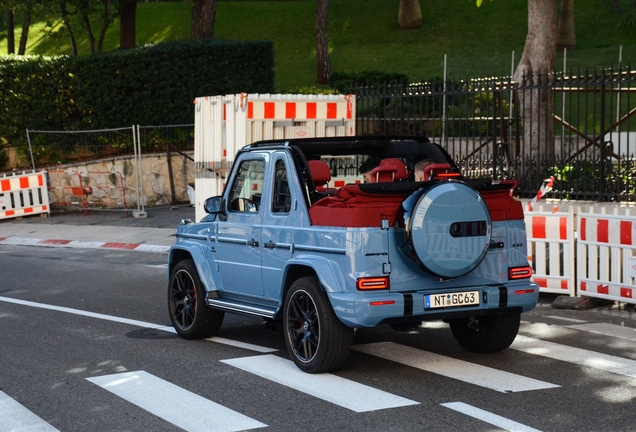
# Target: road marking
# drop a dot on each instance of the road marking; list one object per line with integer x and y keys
{"x": 606, "y": 329}
{"x": 15, "y": 417}
{"x": 239, "y": 344}
{"x": 161, "y": 266}
{"x": 565, "y": 319}
{"x": 488, "y": 417}
{"x": 178, "y": 406}
{"x": 137, "y": 323}
{"x": 578, "y": 356}
{"x": 331, "y": 388}
{"x": 472, "y": 373}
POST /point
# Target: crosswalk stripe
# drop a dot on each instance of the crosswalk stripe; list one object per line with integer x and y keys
{"x": 607, "y": 329}
{"x": 171, "y": 403}
{"x": 15, "y": 417}
{"x": 488, "y": 417}
{"x": 565, "y": 318}
{"x": 472, "y": 373}
{"x": 331, "y": 388}
{"x": 239, "y": 344}
{"x": 578, "y": 356}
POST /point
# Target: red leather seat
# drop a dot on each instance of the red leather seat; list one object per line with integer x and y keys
{"x": 320, "y": 172}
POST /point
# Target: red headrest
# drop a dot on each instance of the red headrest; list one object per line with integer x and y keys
{"x": 438, "y": 167}
{"x": 382, "y": 174}
{"x": 400, "y": 174}
{"x": 320, "y": 172}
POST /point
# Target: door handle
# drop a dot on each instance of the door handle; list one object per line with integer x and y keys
{"x": 252, "y": 242}
{"x": 269, "y": 245}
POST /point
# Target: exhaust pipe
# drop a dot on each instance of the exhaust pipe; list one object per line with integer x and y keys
{"x": 271, "y": 326}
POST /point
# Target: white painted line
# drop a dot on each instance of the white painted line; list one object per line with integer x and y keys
{"x": 566, "y": 319}
{"x": 471, "y": 373}
{"x": 22, "y": 241}
{"x": 77, "y": 244}
{"x": 133, "y": 322}
{"x": 331, "y": 388}
{"x": 152, "y": 248}
{"x": 160, "y": 266}
{"x": 15, "y": 417}
{"x": 173, "y": 404}
{"x": 578, "y": 356}
{"x": 606, "y": 329}
{"x": 239, "y": 344}
{"x": 489, "y": 417}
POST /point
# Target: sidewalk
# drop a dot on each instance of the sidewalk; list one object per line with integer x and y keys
{"x": 98, "y": 229}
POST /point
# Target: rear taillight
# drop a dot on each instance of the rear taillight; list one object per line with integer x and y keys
{"x": 445, "y": 175}
{"x": 372, "y": 283}
{"x": 520, "y": 272}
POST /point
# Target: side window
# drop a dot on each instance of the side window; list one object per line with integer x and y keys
{"x": 281, "y": 198}
{"x": 245, "y": 194}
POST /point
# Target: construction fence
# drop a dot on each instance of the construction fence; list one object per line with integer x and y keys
{"x": 584, "y": 249}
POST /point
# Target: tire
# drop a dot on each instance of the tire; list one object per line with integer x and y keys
{"x": 317, "y": 341}
{"x": 487, "y": 334}
{"x": 190, "y": 316}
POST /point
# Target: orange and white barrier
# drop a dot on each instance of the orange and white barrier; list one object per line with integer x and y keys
{"x": 606, "y": 256}
{"x": 23, "y": 194}
{"x": 551, "y": 249}
{"x": 225, "y": 124}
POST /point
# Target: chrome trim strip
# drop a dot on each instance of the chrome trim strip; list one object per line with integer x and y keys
{"x": 192, "y": 236}
{"x": 240, "y": 308}
{"x": 320, "y": 249}
{"x": 231, "y": 240}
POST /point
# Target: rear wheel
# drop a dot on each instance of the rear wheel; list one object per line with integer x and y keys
{"x": 190, "y": 316}
{"x": 486, "y": 334}
{"x": 316, "y": 339}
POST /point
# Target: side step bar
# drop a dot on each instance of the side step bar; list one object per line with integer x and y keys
{"x": 230, "y": 306}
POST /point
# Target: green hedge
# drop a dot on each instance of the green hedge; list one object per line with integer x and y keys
{"x": 152, "y": 85}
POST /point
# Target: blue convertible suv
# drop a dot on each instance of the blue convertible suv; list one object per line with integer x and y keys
{"x": 298, "y": 239}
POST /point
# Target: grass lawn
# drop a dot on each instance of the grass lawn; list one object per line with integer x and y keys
{"x": 363, "y": 35}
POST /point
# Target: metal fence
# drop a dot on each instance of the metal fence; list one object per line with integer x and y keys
{"x": 584, "y": 132}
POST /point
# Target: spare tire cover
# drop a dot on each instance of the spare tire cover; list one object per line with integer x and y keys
{"x": 448, "y": 228}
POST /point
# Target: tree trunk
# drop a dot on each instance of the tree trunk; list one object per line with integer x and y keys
{"x": 107, "y": 18}
{"x": 567, "y": 34}
{"x": 10, "y": 31}
{"x": 410, "y": 14}
{"x": 26, "y": 23}
{"x": 203, "y": 16}
{"x": 69, "y": 29}
{"x": 322, "y": 42}
{"x": 532, "y": 75}
{"x": 89, "y": 31}
{"x": 127, "y": 29}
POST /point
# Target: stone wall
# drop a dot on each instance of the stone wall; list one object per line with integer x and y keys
{"x": 112, "y": 183}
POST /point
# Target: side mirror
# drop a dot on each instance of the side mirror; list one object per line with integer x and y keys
{"x": 212, "y": 205}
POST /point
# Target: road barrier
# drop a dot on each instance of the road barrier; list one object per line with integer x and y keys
{"x": 23, "y": 194}
{"x": 603, "y": 244}
{"x": 225, "y": 124}
{"x": 606, "y": 255}
{"x": 551, "y": 249}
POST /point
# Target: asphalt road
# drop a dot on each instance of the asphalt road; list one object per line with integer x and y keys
{"x": 86, "y": 345}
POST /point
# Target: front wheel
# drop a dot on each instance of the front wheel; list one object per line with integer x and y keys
{"x": 316, "y": 339}
{"x": 190, "y": 316}
{"x": 486, "y": 334}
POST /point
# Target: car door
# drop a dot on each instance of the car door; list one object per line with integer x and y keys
{"x": 278, "y": 227}
{"x": 238, "y": 236}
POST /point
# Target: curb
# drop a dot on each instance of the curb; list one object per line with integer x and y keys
{"x": 139, "y": 247}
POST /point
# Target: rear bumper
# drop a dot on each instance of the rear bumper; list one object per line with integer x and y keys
{"x": 369, "y": 309}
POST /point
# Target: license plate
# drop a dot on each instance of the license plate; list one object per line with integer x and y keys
{"x": 468, "y": 298}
